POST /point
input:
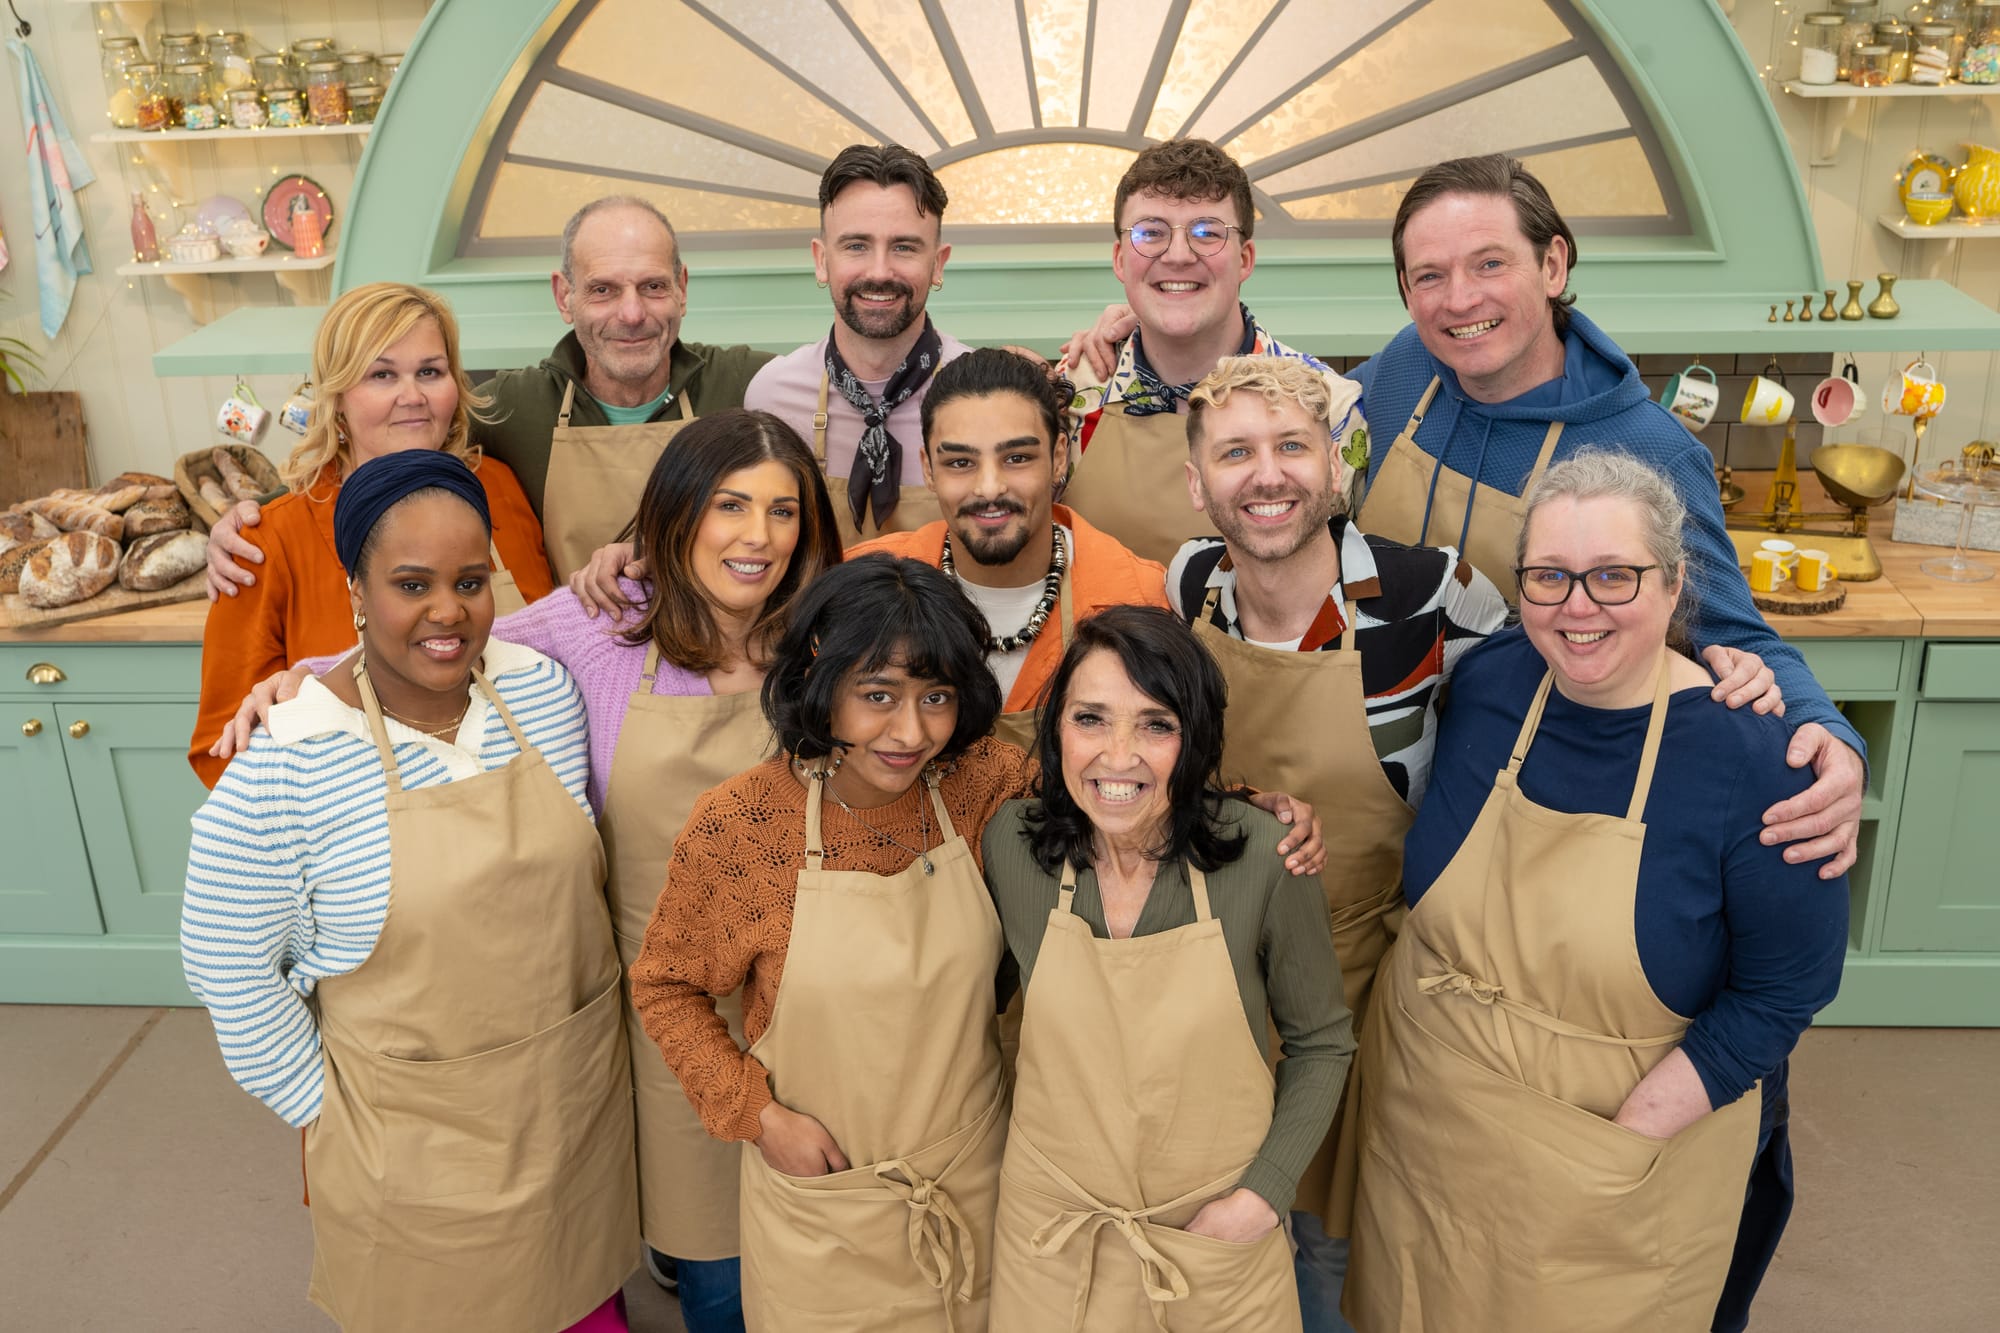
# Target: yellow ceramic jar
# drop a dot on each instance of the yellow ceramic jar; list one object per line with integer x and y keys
{"x": 1977, "y": 188}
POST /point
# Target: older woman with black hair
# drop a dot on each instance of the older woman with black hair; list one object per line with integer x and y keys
{"x": 838, "y": 885}
{"x": 1151, "y": 1156}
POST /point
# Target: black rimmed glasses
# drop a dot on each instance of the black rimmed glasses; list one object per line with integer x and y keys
{"x": 1607, "y": 585}
{"x": 1150, "y": 237}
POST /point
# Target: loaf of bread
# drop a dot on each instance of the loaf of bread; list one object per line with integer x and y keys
{"x": 72, "y": 516}
{"x": 217, "y": 498}
{"x": 14, "y": 561}
{"x": 18, "y": 529}
{"x": 129, "y": 488}
{"x": 150, "y": 516}
{"x": 71, "y": 568}
{"x": 234, "y": 479}
{"x": 117, "y": 500}
{"x": 162, "y": 560}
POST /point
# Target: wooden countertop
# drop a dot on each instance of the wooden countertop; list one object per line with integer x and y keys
{"x": 1904, "y": 603}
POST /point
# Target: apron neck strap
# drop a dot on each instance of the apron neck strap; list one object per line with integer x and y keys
{"x": 1210, "y": 602}
{"x": 945, "y": 831}
{"x": 1347, "y": 626}
{"x": 1423, "y": 406}
{"x": 1542, "y": 458}
{"x": 651, "y": 670}
{"x": 493, "y": 554}
{"x": 569, "y": 399}
{"x": 1649, "y": 753}
{"x": 1198, "y": 885}
{"x": 500, "y": 707}
{"x": 815, "y": 840}
{"x": 1066, "y": 621}
{"x": 1066, "y": 890}
{"x": 686, "y": 402}
{"x": 372, "y": 708}
{"x": 819, "y": 422}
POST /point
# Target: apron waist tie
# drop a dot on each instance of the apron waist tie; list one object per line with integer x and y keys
{"x": 1163, "y": 1278}
{"x": 1461, "y": 983}
{"x": 940, "y": 1238}
{"x": 1494, "y": 995}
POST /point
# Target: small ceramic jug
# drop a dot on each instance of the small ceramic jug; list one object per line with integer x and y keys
{"x": 1977, "y": 188}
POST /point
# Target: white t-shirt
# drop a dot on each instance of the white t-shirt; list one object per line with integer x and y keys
{"x": 1007, "y": 611}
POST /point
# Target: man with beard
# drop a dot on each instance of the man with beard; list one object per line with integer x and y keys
{"x": 582, "y": 429}
{"x": 994, "y": 443}
{"x": 856, "y": 394}
{"x": 1336, "y": 647}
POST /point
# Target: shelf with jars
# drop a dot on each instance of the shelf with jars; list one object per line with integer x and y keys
{"x": 1858, "y": 50}
{"x": 228, "y": 135}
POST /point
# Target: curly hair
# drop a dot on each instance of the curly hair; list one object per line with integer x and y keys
{"x": 1187, "y": 169}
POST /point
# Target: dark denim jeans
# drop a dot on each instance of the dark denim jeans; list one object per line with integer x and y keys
{"x": 1321, "y": 1265}
{"x": 711, "y": 1294}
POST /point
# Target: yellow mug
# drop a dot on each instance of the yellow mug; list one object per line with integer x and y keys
{"x": 1767, "y": 571}
{"x": 1816, "y": 571}
{"x": 1787, "y": 553}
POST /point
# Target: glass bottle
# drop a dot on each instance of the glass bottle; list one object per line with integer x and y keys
{"x": 246, "y": 109}
{"x": 326, "y": 93}
{"x": 1932, "y": 57}
{"x": 1895, "y": 34}
{"x": 145, "y": 239}
{"x": 389, "y": 64}
{"x": 359, "y": 69}
{"x": 120, "y": 106}
{"x": 1857, "y": 28}
{"x": 1819, "y": 48}
{"x": 1869, "y": 66}
{"x": 1981, "y": 61}
{"x": 364, "y": 103}
{"x": 152, "y": 105}
{"x": 193, "y": 89}
{"x": 284, "y": 103}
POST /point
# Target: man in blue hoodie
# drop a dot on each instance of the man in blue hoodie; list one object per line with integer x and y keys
{"x": 1496, "y": 377}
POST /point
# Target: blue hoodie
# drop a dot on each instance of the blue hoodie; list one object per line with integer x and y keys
{"x": 1600, "y": 400}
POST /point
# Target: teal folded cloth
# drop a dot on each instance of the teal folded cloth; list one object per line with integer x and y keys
{"x": 57, "y": 169}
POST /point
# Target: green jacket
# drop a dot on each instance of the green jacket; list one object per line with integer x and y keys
{"x": 526, "y": 401}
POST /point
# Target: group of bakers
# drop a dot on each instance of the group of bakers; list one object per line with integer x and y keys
{"x": 826, "y": 815}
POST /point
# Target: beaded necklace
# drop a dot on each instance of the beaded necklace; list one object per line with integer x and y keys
{"x": 1051, "y": 589}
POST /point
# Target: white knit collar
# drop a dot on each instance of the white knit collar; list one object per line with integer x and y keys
{"x": 317, "y": 711}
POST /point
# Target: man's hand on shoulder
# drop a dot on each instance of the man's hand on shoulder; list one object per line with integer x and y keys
{"x": 1824, "y": 819}
{"x": 226, "y": 547}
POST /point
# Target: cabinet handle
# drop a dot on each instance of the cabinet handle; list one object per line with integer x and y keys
{"x": 46, "y": 673}
{"x": 32, "y": 727}
{"x": 78, "y": 730}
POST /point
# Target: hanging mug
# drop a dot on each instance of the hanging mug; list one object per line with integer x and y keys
{"x": 1692, "y": 399}
{"x": 1914, "y": 391}
{"x": 242, "y": 418}
{"x": 1838, "y": 400}
{"x": 296, "y": 415}
{"x": 1768, "y": 402}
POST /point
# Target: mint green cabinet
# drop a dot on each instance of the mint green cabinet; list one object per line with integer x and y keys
{"x": 1947, "y": 867}
{"x": 93, "y": 760}
{"x": 45, "y": 886}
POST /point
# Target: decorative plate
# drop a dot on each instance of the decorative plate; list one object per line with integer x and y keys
{"x": 279, "y": 202}
{"x": 216, "y": 213}
{"x": 1926, "y": 174}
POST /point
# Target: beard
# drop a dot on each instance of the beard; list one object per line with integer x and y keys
{"x": 992, "y": 548}
{"x": 869, "y": 322}
{"x": 1315, "y": 511}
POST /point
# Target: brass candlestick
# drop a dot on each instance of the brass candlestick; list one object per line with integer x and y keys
{"x": 1827, "y": 311}
{"x": 1805, "y": 309}
{"x": 1852, "y": 310}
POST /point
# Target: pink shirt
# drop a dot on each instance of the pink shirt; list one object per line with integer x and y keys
{"x": 788, "y": 388}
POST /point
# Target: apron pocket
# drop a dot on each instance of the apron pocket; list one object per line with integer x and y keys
{"x": 499, "y": 1126}
{"x": 1231, "y": 1284}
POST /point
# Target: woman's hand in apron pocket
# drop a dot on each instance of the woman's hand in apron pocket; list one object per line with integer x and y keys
{"x": 795, "y": 1144}
{"x": 1669, "y": 1099}
{"x": 1239, "y": 1217}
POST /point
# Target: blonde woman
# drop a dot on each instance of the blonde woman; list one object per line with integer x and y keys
{"x": 388, "y": 377}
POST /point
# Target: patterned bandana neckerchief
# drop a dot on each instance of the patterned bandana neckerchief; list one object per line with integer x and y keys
{"x": 878, "y": 462}
{"x": 1148, "y": 395}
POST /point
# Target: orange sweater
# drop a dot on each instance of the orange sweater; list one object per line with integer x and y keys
{"x": 298, "y": 607}
{"x": 1102, "y": 573}
{"x": 725, "y": 916}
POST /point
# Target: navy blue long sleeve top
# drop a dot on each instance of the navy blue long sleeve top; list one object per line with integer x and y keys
{"x": 1730, "y": 935}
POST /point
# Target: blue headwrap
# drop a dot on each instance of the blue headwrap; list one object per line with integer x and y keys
{"x": 372, "y": 488}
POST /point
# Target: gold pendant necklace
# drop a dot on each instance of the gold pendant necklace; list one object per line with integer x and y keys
{"x": 921, "y": 852}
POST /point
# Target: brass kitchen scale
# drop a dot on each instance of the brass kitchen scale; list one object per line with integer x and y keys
{"x": 1856, "y": 476}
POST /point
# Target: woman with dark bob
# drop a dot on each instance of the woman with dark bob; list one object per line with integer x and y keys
{"x": 1151, "y": 1154}
{"x": 837, "y": 885}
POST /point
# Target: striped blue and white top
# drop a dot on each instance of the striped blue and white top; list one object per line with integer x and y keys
{"x": 288, "y": 874}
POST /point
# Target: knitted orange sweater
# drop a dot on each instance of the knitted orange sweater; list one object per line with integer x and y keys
{"x": 725, "y": 916}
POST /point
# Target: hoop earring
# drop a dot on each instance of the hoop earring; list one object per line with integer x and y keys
{"x": 937, "y": 285}
{"x": 360, "y": 622}
{"x": 822, "y": 285}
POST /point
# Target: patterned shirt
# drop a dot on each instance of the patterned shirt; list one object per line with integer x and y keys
{"x": 1416, "y": 610}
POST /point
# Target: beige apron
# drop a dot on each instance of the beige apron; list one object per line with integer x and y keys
{"x": 1142, "y": 1095}
{"x": 884, "y": 1032}
{"x": 1332, "y": 765}
{"x": 1132, "y": 483}
{"x": 1397, "y": 498}
{"x": 596, "y": 476}
{"x": 1514, "y": 1018}
{"x": 1018, "y": 728}
{"x": 915, "y": 505}
{"x": 471, "y": 1166}
{"x": 507, "y": 598}
{"x": 671, "y": 749}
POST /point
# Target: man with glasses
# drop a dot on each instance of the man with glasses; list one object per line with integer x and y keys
{"x": 1183, "y": 218}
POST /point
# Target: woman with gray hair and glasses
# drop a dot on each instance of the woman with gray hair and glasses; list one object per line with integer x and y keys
{"x": 1573, "y": 1112}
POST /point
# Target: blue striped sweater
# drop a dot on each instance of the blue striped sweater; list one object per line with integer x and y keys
{"x": 288, "y": 872}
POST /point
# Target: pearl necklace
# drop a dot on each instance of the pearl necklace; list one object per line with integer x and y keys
{"x": 1051, "y": 589}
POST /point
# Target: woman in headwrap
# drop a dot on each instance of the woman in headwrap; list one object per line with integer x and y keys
{"x": 457, "y": 1062}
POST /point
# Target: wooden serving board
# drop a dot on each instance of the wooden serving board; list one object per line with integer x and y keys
{"x": 109, "y": 602}
{"x": 1787, "y": 600}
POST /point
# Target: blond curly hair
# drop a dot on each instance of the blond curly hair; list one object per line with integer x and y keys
{"x": 359, "y": 327}
{"x": 1279, "y": 379}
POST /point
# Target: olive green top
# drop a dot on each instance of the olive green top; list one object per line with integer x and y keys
{"x": 1280, "y": 946}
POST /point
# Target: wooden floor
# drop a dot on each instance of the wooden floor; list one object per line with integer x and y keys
{"x": 141, "y": 1191}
